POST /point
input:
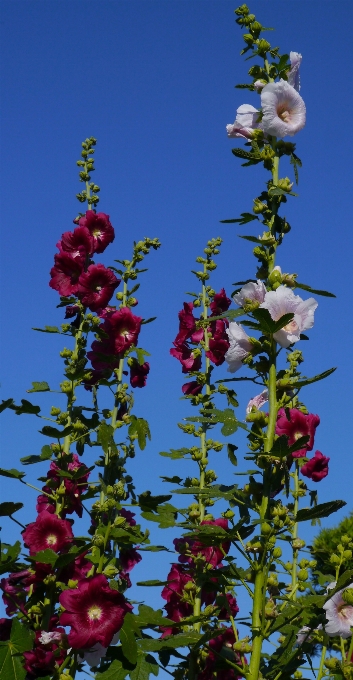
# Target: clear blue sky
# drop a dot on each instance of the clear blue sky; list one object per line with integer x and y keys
{"x": 154, "y": 82}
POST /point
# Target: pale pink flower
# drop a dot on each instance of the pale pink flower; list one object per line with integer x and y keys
{"x": 257, "y": 401}
{"x": 339, "y": 616}
{"x": 293, "y": 74}
{"x": 260, "y": 84}
{"x": 245, "y": 123}
{"x": 283, "y": 301}
{"x": 240, "y": 346}
{"x": 305, "y": 634}
{"x": 46, "y": 638}
{"x": 283, "y": 110}
{"x": 93, "y": 655}
{"x": 251, "y": 291}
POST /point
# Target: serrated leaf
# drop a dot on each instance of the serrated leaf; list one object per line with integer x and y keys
{"x": 175, "y": 453}
{"x": 267, "y": 324}
{"x": 248, "y": 155}
{"x": 147, "y": 615}
{"x": 116, "y": 671}
{"x": 127, "y": 639}
{"x": 26, "y": 407}
{"x": 140, "y": 427}
{"x": 144, "y": 667}
{"x": 46, "y": 556}
{"x": 54, "y": 433}
{"x": 15, "y": 474}
{"x": 304, "y": 286}
{"x": 105, "y": 437}
{"x": 46, "y": 454}
{"x": 8, "y": 508}
{"x": 11, "y": 664}
{"x": 172, "y": 480}
{"x": 173, "y": 642}
{"x": 40, "y": 387}
{"x": 318, "y": 511}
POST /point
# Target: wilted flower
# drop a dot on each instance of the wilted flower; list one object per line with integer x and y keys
{"x": 240, "y": 347}
{"x": 283, "y": 301}
{"x": 250, "y": 292}
{"x": 316, "y": 468}
{"x": 293, "y": 74}
{"x": 247, "y": 120}
{"x": 283, "y": 109}
{"x": 257, "y": 401}
{"x": 339, "y": 615}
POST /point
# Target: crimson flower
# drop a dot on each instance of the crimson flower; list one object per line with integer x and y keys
{"x": 71, "y": 310}
{"x": 48, "y": 531}
{"x": 14, "y": 589}
{"x": 219, "y": 342}
{"x": 231, "y": 610}
{"x": 192, "y": 388}
{"x": 214, "y": 664}
{"x": 45, "y": 656}
{"x": 213, "y": 554}
{"x": 129, "y": 516}
{"x": 78, "y": 242}
{"x": 129, "y": 558}
{"x": 299, "y": 425}
{"x": 96, "y": 286}
{"x": 316, "y": 468}
{"x": 5, "y": 629}
{"x": 189, "y": 360}
{"x": 65, "y": 273}
{"x": 94, "y": 611}
{"x": 45, "y": 503}
{"x": 139, "y": 373}
{"x": 187, "y": 326}
{"x": 123, "y": 329}
{"x": 74, "y": 487}
{"x": 220, "y": 303}
{"x": 176, "y": 607}
{"x": 98, "y": 225}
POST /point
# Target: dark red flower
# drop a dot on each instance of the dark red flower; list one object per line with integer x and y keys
{"x": 15, "y": 588}
{"x": 48, "y": 531}
{"x": 187, "y": 326}
{"x": 176, "y": 607}
{"x": 217, "y": 350}
{"x": 192, "y": 388}
{"x": 129, "y": 516}
{"x": 213, "y": 554}
{"x": 129, "y": 558}
{"x": 103, "y": 357}
{"x": 71, "y": 310}
{"x": 316, "y": 468}
{"x": 215, "y": 667}
{"x": 102, "y": 232}
{"x": 74, "y": 487}
{"x": 44, "y": 657}
{"x": 139, "y": 373}
{"x": 65, "y": 273}
{"x": 94, "y": 611}
{"x": 78, "y": 242}
{"x": 123, "y": 329}
{"x": 76, "y": 570}
{"x": 96, "y": 286}
{"x": 187, "y": 357}
{"x": 232, "y": 608}
{"x": 220, "y": 303}
{"x": 5, "y": 629}
{"x": 299, "y": 425}
{"x": 45, "y": 503}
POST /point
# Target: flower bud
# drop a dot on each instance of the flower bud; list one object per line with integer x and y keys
{"x": 277, "y": 553}
{"x": 275, "y": 277}
{"x": 258, "y": 206}
{"x": 298, "y": 543}
{"x": 331, "y": 663}
{"x": 248, "y": 38}
{"x": 347, "y": 596}
{"x": 256, "y": 28}
{"x": 229, "y": 514}
{"x": 243, "y": 646}
{"x": 334, "y": 559}
{"x": 303, "y": 575}
{"x": 288, "y": 566}
{"x": 270, "y": 610}
{"x": 98, "y": 540}
{"x": 266, "y": 528}
{"x": 262, "y": 47}
{"x": 297, "y": 675}
{"x": 345, "y": 539}
{"x": 347, "y": 554}
{"x": 285, "y": 184}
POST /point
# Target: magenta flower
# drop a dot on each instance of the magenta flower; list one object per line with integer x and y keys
{"x": 78, "y": 242}
{"x": 15, "y": 588}
{"x": 251, "y": 292}
{"x": 96, "y": 286}
{"x": 247, "y": 120}
{"x": 192, "y": 388}
{"x": 239, "y": 347}
{"x": 65, "y": 273}
{"x": 74, "y": 488}
{"x": 283, "y": 110}
{"x": 189, "y": 359}
{"x": 316, "y": 468}
{"x": 220, "y": 303}
{"x": 283, "y": 301}
{"x": 71, "y": 310}
{"x": 129, "y": 558}
{"x": 48, "y": 531}
{"x": 176, "y": 607}
{"x": 299, "y": 425}
{"x": 94, "y": 611}
{"x": 98, "y": 225}
{"x": 139, "y": 373}
{"x": 187, "y": 326}
{"x": 123, "y": 329}
{"x": 212, "y": 554}
{"x": 46, "y": 655}
{"x": 231, "y": 610}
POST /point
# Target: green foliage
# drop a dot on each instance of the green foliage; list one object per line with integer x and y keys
{"x": 325, "y": 543}
{"x": 40, "y": 387}
{"x": 318, "y": 511}
{"x": 11, "y": 663}
{"x": 9, "y": 508}
{"x": 46, "y": 454}
{"x": 8, "y": 556}
{"x": 139, "y": 428}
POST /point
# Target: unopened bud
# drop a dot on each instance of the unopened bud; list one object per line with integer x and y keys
{"x": 347, "y": 596}
{"x": 258, "y": 206}
{"x": 334, "y": 559}
{"x": 277, "y": 553}
{"x": 263, "y": 46}
{"x": 303, "y": 574}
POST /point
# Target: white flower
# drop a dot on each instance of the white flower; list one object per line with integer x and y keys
{"x": 283, "y": 109}
{"x": 283, "y": 301}
{"x": 305, "y": 634}
{"x": 293, "y": 75}
{"x": 240, "y": 346}
{"x": 257, "y": 401}
{"x": 47, "y": 638}
{"x": 245, "y": 123}
{"x": 93, "y": 655}
{"x": 251, "y": 291}
{"x": 339, "y": 615}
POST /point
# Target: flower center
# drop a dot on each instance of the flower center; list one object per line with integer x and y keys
{"x": 283, "y": 112}
{"x": 297, "y": 435}
{"x": 94, "y": 613}
{"x": 51, "y": 539}
{"x": 291, "y": 327}
{"x": 96, "y": 232}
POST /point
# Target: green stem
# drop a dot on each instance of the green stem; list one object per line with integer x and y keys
{"x": 295, "y": 530}
{"x": 322, "y": 660}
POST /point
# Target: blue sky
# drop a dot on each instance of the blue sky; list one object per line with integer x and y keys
{"x": 154, "y": 82}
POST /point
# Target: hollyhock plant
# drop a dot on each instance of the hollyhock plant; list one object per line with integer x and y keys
{"x": 66, "y": 273}
{"x": 257, "y": 401}
{"x": 283, "y": 110}
{"x": 293, "y": 74}
{"x": 192, "y": 388}
{"x": 46, "y": 655}
{"x": 212, "y": 664}
{"x": 139, "y": 373}
{"x": 247, "y": 120}
{"x": 316, "y": 468}
{"x": 123, "y": 328}
{"x": 189, "y": 359}
{"x": 100, "y": 229}
{"x": 74, "y": 488}
{"x": 187, "y": 326}
{"x": 231, "y": 609}
{"x": 239, "y": 347}
{"x": 218, "y": 343}
{"x": 14, "y": 588}
{"x": 176, "y": 607}
{"x": 220, "y": 303}
{"x": 251, "y": 292}
{"x": 94, "y": 611}
{"x": 78, "y": 242}
{"x": 298, "y": 425}
{"x": 96, "y": 286}
{"x": 339, "y": 616}
{"x": 283, "y": 301}
{"x": 213, "y": 555}
{"x": 48, "y": 531}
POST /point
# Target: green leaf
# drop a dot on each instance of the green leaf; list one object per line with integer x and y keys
{"x": 147, "y": 616}
{"x": 152, "y": 582}
{"x": 46, "y": 454}
{"x": 152, "y": 318}
{"x": 248, "y": 155}
{"x": 253, "y": 239}
{"x": 15, "y": 474}
{"x": 5, "y": 404}
{"x": 172, "y": 642}
{"x": 139, "y": 427}
{"x": 231, "y": 455}
{"x": 303, "y": 286}
{"x": 46, "y": 556}
{"x": 172, "y": 480}
{"x": 8, "y": 556}
{"x": 116, "y": 671}
{"x": 318, "y": 511}
{"x": 141, "y": 354}
{"x": 149, "y": 502}
{"x": 105, "y": 437}
{"x": 268, "y": 325}
{"x": 243, "y": 219}
{"x": 26, "y": 407}
{"x": 48, "y": 329}
{"x": 144, "y": 667}
{"x": 8, "y": 508}
{"x": 54, "y": 433}
{"x": 127, "y": 639}
{"x": 175, "y": 453}
{"x": 316, "y": 378}
{"x": 40, "y": 387}
{"x": 11, "y": 664}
